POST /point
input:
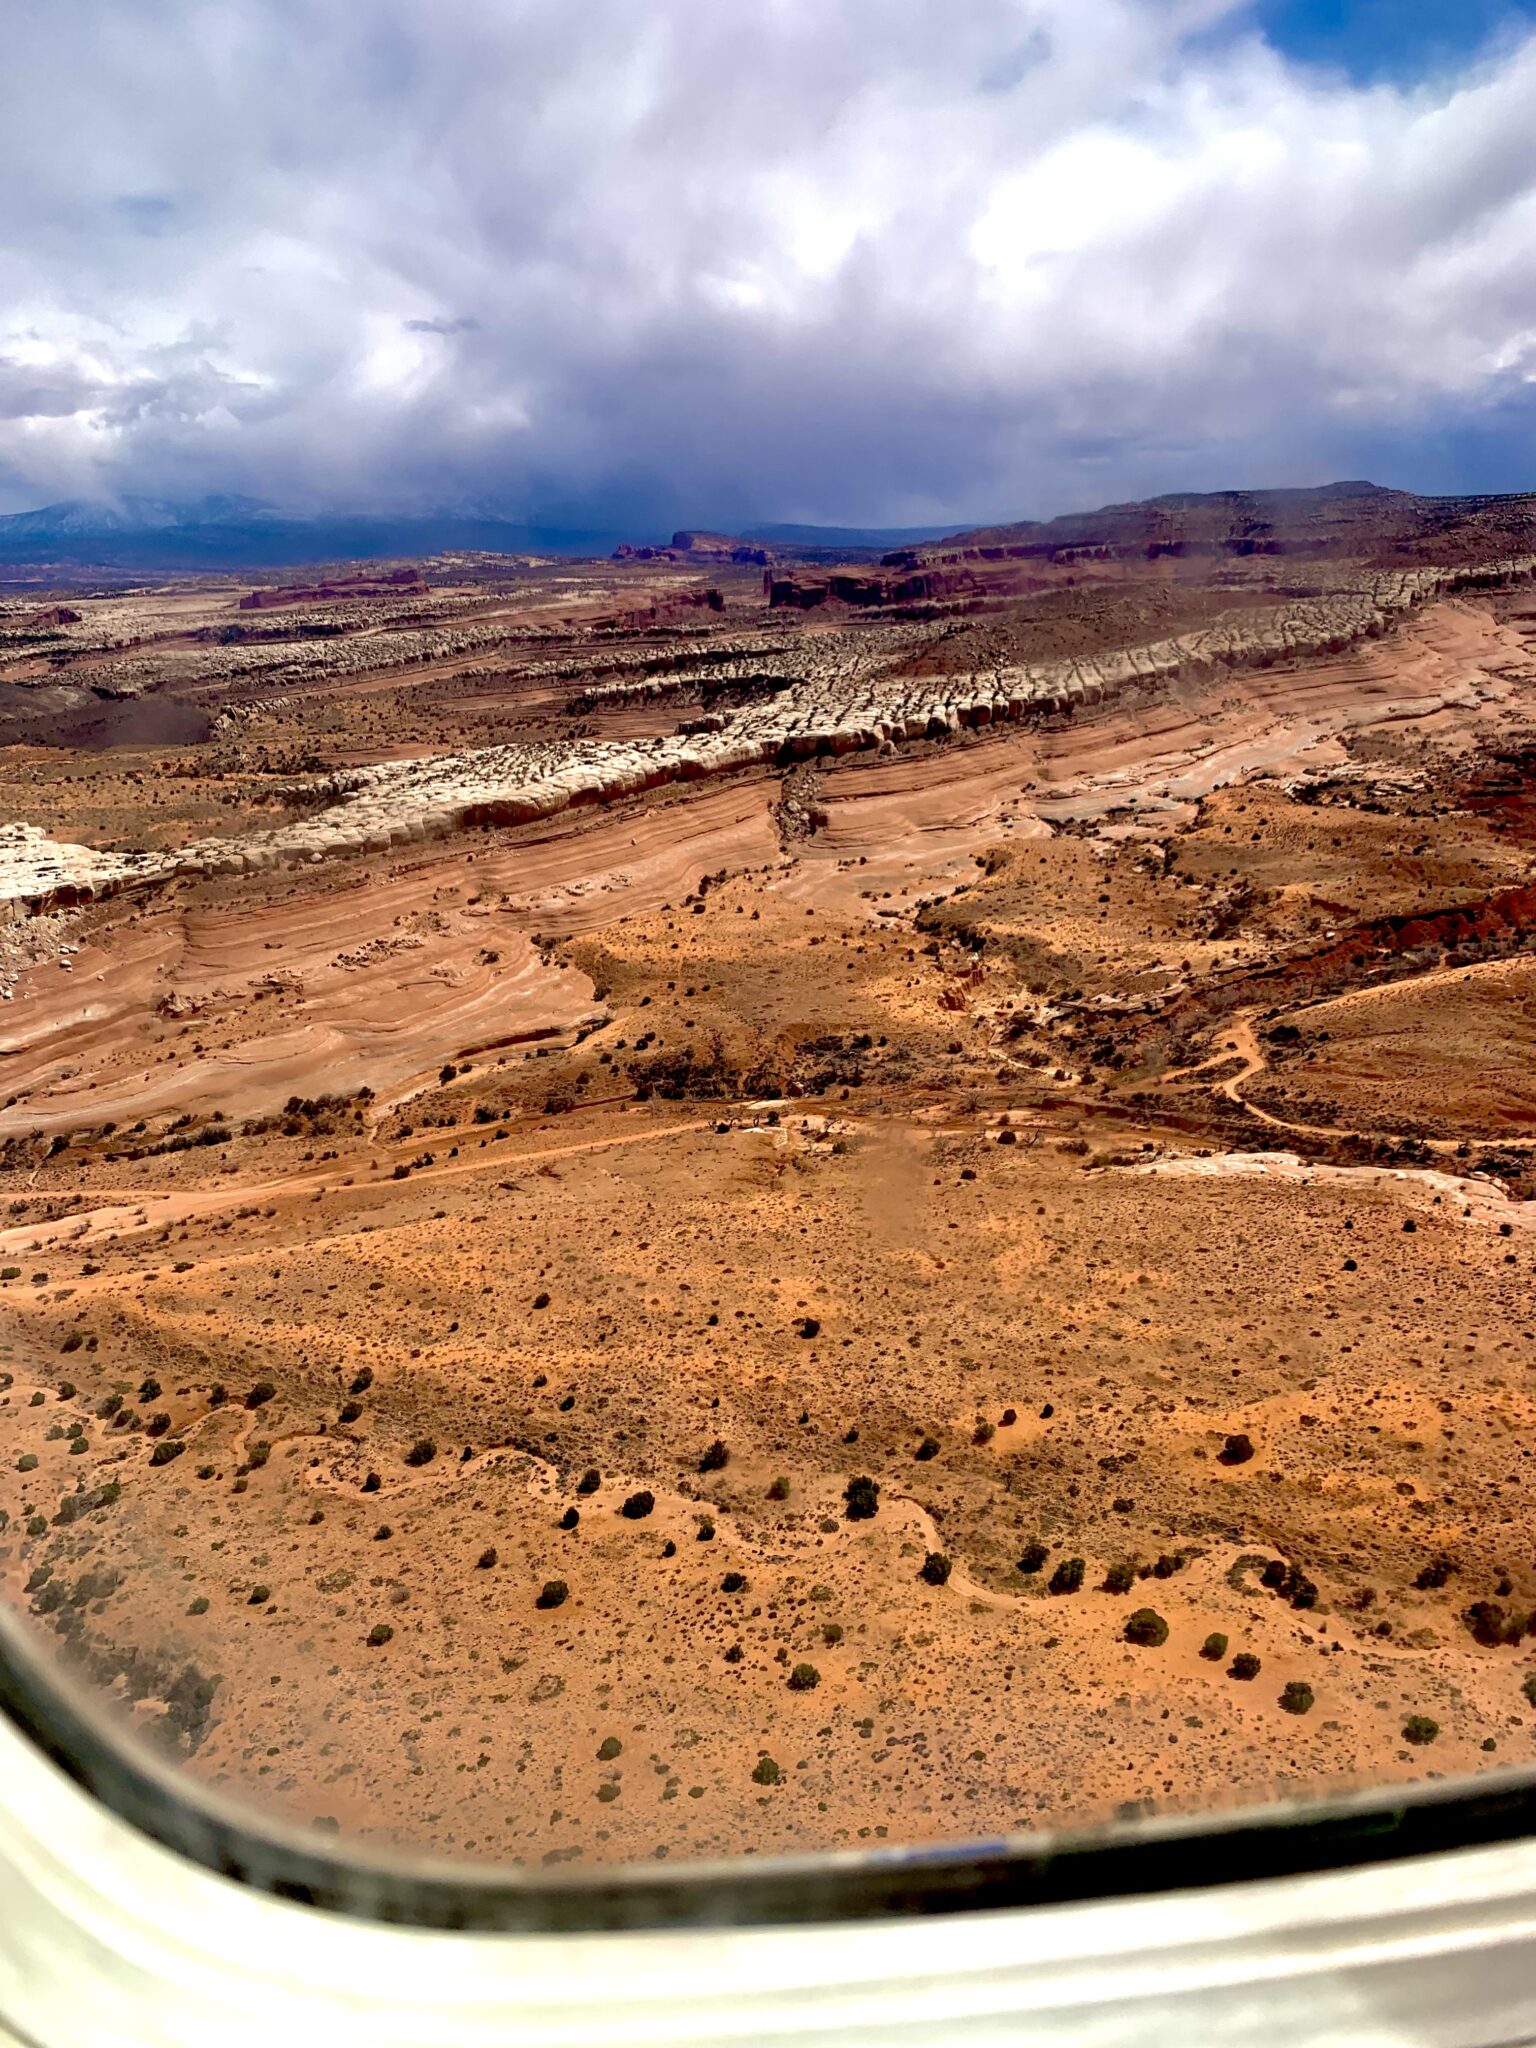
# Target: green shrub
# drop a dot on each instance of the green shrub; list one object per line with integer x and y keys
{"x": 928, "y": 1448}
{"x": 199, "y": 1605}
{"x": 350, "y": 1411}
{"x": 27, "y": 1462}
{"x": 779, "y": 1490}
{"x": 716, "y": 1458}
{"x": 638, "y": 1506}
{"x": 733, "y": 1582}
{"x": 804, "y": 1678}
{"x": 362, "y": 1381}
{"x": 935, "y": 1569}
{"x": 1297, "y": 1698}
{"x": 380, "y": 1634}
{"x": 1237, "y": 1450}
{"x": 486, "y": 1559}
{"x": 1068, "y": 1576}
{"x": 554, "y": 1593}
{"x": 766, "y": 1772}
{"x": 168, "y": 1448}
{"x": 1244, "y": 1665}
{"x": 1147, "y": 1629}
{"x": 1419, "y": 1729}
{"x": 260, "y": 1394}
{"x": 1120, "y": 1578}
{"x": 589, "y": 1481}
{"x": 1214, "y": 1648}
{"x": 862, "y": 1498}
{"x": 422, "y": 1452}
{"x": 259, "y": 1596}
{"x": 831, "y": 1633}
{"x": 1033, "y": 1559}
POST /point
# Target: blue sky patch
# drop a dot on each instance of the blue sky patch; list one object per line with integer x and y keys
{"x": 1400, "y": 40}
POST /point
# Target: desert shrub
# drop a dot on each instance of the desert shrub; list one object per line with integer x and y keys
{"x": 157, "y": 1425}
{"x": 553, "y": 1593}
{"x": 1528, "y": 1687}
{"x": 1434, "y": 1574}
{"x": 149, "y": 1388}
{"x": 380, "y": 1634}
{"x": 935, "y": 1569}
{"x": 1237, "y": 1450}
{"x": 108, "y": 1407}
{"x": 362, "y": 1381}
{"x": 1297, "y": 1698}
{"x": 1420, "y": 1729}
{"x": 589, "y": 1481}
{"x": 733, "y": 1582}
{"x": 638, "y": 1506}
{"x": 928, "y": 1448}
{"x": 350, "y": 1411}
{"x": 831, "y": 1633}
{"x": 1033, "y": 1559}
{"x": 804, "y": 1678}
{"x": 259, "y": 1596}
{"x": 1068, "y": 1576}
{"x": 862, "y": 1499}
{"x": 217, "y": 1396}
{"x": 571, "y": 1519}
{"x": 810, "y": 1327}
{"x": 766, "y": 1772}
{"x": 199, "y": 1605}
{"x": 1147, "y": 1629}
{"x": 1491, "y": 1626}
{"x": 168, "y": 1448}
{"x": 73, "y": 1342}
{"x": 779, "y": 1490}
{"x": 1214, "y": 1648}
{"x": 706, "y": 1529}
{"x": 371, "y": 1482}
{"x": 1244, "y": 1665}
{"x": 260, "y": 1394}
{"x": 609, "y": 1748}
{"x": 716, "y": 1458}
{"x": 1120, "y": 1578}
{"x": 486, "y": 1559}
{"x": 422, "y": 1452}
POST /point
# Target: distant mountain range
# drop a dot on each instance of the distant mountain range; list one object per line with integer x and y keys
{"x": 242, "y": 533}
{"x": 140, "y": 534}
{"x": 225, "y": 532}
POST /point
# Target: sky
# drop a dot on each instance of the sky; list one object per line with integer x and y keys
{"x": 872, "y": 261}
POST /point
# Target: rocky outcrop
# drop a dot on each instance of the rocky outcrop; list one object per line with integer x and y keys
{"x": 854, "y": 707}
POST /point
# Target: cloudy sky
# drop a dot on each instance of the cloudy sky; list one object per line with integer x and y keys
{"x": 843, "y": 260}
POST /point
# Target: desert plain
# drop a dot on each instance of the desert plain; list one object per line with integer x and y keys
{"x": 643, "y": 1202}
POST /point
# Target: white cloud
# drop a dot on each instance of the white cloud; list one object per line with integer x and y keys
{"x": 836, "y": 258}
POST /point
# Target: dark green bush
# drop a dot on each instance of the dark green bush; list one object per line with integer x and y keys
{"x": 1214, "y": 1648}
{"x": 935, "y": 1569}
{"x": 422, "y": 1452}
{"x": 1147, "y": 1629}
{"x": 168, "y": 1448}
{"x": 766, "y": 1772}
{"x": 1068, "y": 1576}
{"x": 1420, "y": 1729}
{"x": 1297, "y": 1698}
{"x": 260, "y": 1394}
{"x": 1033, "y": 1559}
{"x": 554, "y": 1593}
{"x": 589, "y": 1481}
{"x": 804, "y": 1678}
{"x": 1120, "y": 1578}
{"x": 1237, "y": 1450}
{"x": 638, "y": 1506}
{"x": 1244, "y": 1665}
{"x": 716, "y": 1458}
{"x": 862, "y": 1498}
{"x": 379, "y": 1634}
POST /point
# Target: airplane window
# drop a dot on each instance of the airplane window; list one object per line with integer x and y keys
{"x": 766, "y": 991}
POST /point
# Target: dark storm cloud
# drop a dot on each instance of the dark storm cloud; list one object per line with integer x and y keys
{"x": 840, "y": 259}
